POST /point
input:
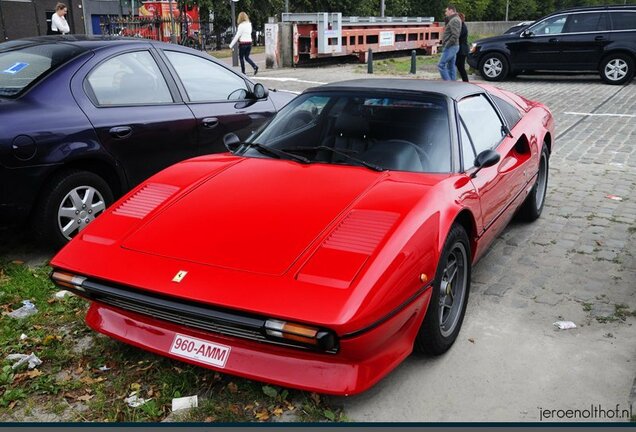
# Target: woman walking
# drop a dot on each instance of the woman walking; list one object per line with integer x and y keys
{"x": 244, "y": 38}
{"x": 460, "y": 60}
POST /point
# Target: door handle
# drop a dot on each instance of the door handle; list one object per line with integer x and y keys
{"x": 210, "y": 122}
{"x": 120, "y": 132}
{"x": 552, "y": 40}
{"x": 599, "y": 38}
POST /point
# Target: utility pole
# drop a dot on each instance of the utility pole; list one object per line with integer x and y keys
{"x": 287, "y": 6}
{"x": 507, "y": 5}
{"x": 382, "y": 8}
{"x": 234, "y": 51}
{"x": 173, "y": 35}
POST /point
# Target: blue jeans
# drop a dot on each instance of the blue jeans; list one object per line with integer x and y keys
{"x": 446, "y": 63}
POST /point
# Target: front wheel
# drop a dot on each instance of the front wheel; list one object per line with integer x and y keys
{"x": 617, "y": 69}
{"x": 449, "y": 297}
{"x": 72, "y": 200}
{"x": 494, "y": 67}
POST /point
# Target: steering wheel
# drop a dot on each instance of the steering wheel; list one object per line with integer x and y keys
{"x": 417, "y": 148}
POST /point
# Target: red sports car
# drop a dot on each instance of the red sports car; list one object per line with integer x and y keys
{"x": 326, "y": 248}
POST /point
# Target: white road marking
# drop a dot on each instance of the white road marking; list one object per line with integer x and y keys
{"x": 600, "y": 114}
{"x": 285, "y": 79}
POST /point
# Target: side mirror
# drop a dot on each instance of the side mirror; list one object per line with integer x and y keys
{"x": 260, "y": 91}
{"x": 232, "y": 142}
{"x": 485, "y": 159}
{"x": 526, "y": 33}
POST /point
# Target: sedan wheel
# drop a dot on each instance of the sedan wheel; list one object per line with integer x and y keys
{"x": 70, "y": 201}
{"x": 494, "y": 67}
{"x": 449, "y": 295}
{"x": 617, "y": 69}
{"x": 79, "y": 208}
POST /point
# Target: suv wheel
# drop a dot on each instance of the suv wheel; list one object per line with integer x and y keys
{"x": 70, "y": 201}
{"x": 617, "y": 69}
{"x": 493, "y": 67}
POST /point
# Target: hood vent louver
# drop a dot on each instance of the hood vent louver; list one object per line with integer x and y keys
{"x": 361, "y": 231}
{"x": 145, "y": 200}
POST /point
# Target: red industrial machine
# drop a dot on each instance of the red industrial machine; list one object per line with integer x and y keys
{"x": 322, "y": 34}
{"x": 159, "y": 26}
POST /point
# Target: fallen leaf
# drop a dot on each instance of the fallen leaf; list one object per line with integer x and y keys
{"x": 232, "y": 388}
{"x": 471, "y": 340}
{"x": 234, "y": 408}
{"x": 48, "y": 339}
{"x": 209, "y": 419}
{"x": 89, "y": 380}
{"x": 150, "y": 392}
{"x": 17, "y": 262}
{"x": 135, "y": 386}
{"x": 34, "y": 373}
{"x": 249, "y": 407}
{"x": 262, "y": 415}
{"x": 315, "y": 397}
{"x": 278, "y": 412}
{"x": 86, "y": 397}
{"x": 79, "y": 371}
{"x": 290, "y": 406}
{"x": 12, "y": 404}
{"x": 598, "y": 242}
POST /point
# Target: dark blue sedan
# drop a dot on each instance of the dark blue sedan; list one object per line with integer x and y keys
{"x": 83, "y": 120}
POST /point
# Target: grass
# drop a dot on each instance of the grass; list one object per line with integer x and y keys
{"x": 71, "y": 379}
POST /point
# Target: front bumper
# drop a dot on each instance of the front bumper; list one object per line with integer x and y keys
{"x": 473, "y": 60}
{"x": 360, "y": 362}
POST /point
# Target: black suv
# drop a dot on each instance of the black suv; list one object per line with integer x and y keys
{"x": 601, "y": 38}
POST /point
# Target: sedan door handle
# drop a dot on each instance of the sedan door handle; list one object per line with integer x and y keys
{"x": 552, "y": 40}
{"x": 599, "y": 38}
{"x": 210, "y": 122}
{"x": 120, "y": 132}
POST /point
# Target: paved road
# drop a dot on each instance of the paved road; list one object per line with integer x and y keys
{"x": 575, "y": 263}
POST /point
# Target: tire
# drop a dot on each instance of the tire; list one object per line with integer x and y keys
{"x": 71, "y": 200}
{"x": 442, "y": 324}
{"x": 617, "y": 69}
{"x": 532, "y": 207}
{"x": 494, "y": 67}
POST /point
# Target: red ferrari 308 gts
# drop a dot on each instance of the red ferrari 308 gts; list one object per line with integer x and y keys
{"x": 326, "y": 248}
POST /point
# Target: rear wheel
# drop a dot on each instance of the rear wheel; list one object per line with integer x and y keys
{"x": 494, "y": 67}
{"x": 72, "y": 200}
{"x": 617, "y": 69}
{"x": 449, "y": 295}
{"x": 533, "y": 205}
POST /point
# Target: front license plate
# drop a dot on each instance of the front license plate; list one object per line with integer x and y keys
{"x": 200, "y": 350}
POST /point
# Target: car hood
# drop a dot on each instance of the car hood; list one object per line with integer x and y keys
{"x": 256, "y": 216}
{"x": 501, "y": 38}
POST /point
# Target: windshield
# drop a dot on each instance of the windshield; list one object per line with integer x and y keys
{"x": 23, "y": 66}
{"x": 402, "y": 133}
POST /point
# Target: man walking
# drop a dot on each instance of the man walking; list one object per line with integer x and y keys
{"x": 450, "y": 44}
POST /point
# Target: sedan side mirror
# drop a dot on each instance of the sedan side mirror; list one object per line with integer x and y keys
{"x": 232, "y": 142}
{"x": 485, "y": 159}
{"x": 526, "y": 33}
{"x": 260, "y": 91}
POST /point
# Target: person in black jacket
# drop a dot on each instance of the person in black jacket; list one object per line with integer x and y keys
{"x": 460, "y": 60}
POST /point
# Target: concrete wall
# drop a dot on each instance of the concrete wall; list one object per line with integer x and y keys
{"x": 489, "y": 28}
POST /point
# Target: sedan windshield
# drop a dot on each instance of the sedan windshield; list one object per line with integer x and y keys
{"x": 380, "y": 132}
{"x": 20, "y": 67}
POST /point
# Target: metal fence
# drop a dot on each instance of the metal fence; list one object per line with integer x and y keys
{"x": 195, "y": 34}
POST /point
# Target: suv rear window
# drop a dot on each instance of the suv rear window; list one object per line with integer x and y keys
{"x": 21, "y": 67}
{"x": 624, "y": 20}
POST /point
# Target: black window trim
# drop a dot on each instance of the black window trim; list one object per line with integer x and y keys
{"x": 611, "y": 20}
{"x": 176, "y": 97}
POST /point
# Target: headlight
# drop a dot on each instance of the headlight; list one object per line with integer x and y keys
{"x": 474, "y": 47}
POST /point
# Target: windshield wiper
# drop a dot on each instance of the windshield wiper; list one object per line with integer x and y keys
{"x": 346, "y": 154}
{"x": 282, "y": 154}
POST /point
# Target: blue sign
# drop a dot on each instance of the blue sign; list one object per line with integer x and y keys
{"x": 15, "y": 68}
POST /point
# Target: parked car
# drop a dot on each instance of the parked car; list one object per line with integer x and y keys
{"x": 518, "y": 27}
{"x": 85, "y": 119}
{"x": 325, "y": 248}
{"x": 599, "y": 39}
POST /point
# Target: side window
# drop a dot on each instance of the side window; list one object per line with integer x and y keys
{"x": 468, "y": 151}
{"x": 553, "y": 25}
{"x": 482, "y": 122}
{"x": 129, "y": 79}
{"x": 583, "y": 22}
{"x": 509, "y": 111}
{"x": 623, "y": 20}
{"x": 204, "y": 80}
